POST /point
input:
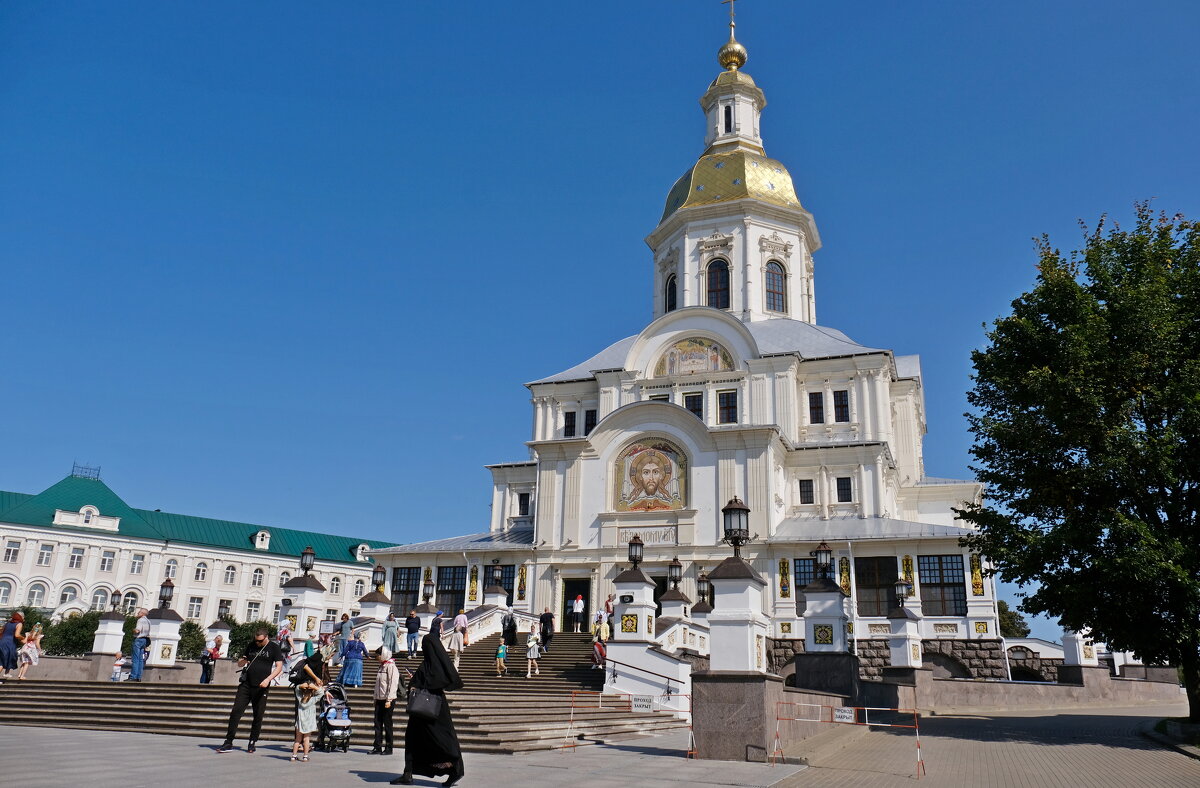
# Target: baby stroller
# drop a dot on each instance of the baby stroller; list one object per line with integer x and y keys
{"x": 334, "y": 726}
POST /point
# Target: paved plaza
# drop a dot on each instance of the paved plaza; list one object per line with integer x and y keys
{"x": 1089, "y": 747}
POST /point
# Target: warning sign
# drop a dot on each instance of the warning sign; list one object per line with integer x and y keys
{"x": 844, "y": 715}
{"x": 642, "y": 703}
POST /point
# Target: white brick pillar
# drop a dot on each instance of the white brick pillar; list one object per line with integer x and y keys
{"x": 737, "y": 625}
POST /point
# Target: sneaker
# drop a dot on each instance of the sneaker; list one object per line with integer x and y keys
{"x": 295, "y": 757}
{"x": 528, "y": 675}
{"x": 251, "y": 747}
{"x": 537, "y": 672}
{"x": 226, "y": 747}
{"x": 303, "y": 759}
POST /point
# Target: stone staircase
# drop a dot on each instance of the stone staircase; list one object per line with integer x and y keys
{"x": 498, "y": 715}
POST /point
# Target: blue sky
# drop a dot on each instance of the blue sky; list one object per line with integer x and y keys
{"x": 290, "y": 263}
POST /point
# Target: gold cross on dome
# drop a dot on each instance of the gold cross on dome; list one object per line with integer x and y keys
{"x": 730, "y": 4}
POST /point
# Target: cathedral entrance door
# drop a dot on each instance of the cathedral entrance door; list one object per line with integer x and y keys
{"x": 571, "y": 589}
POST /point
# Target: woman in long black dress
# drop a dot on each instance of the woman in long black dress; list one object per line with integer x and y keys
{"x": 431, "y": 746}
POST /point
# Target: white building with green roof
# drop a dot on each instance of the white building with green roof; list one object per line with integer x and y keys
{"x": 77, "y": 546}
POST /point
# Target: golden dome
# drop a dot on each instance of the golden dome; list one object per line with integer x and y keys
{"x": 732, "y": 55}
{"x": 737, "y": 175}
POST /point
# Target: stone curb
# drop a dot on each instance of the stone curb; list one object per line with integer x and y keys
{"x": 1146, "y": 729}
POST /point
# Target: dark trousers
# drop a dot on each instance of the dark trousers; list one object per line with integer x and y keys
{"x": 247, "y": 695}
{"x": 383, "y": 725}
{"x": 547, "y": 636}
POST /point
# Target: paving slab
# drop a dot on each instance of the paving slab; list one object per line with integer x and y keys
{"x": 53, "y": 758}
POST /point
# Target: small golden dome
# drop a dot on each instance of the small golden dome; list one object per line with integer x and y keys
{"x": 732, "y": 55}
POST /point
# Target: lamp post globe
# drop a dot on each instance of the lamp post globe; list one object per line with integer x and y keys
{"x": 636, "y": 550}
{"x": 902, "y": 589}
{"x": 823, "y": 557}
{"x": 703, "y": 587}
{"x": 308, "y": 557}
{"x": 497, "y": 575}
{"x": 675, "y": 572}
{"x": 165, "y": 592}
{"x": 427, "y": 591}
{"x": 378, "y": 577}
{"x": 737, "y": 524}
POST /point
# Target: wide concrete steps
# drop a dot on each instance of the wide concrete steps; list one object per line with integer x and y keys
{"x": 499, "y": 715}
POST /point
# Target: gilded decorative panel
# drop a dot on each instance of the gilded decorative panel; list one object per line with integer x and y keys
{"x": 785, "y": 628}
{"x": 521, "y": 582}
{"x": 823, "y": 634}
{"x": 292, "y": 622}
{"x": 976, "y": 576}
{"x": 692, "y": 355}
{"x": 844, "y": 574}
{"x": 165, "y": 651}
{"x": 759, "y": 641}
{"x": 650, "y": 476}
{"x": 916, "y": 652}
{"x": 474, "y": 589}
{"x": 650, "y": 626}
{"x": 1089, "y": 652}
{"x": 428, "y": 575}
{"x": 785, "y": 584}
{"x": 312, "y": 624}
{"x": 981, "y": 628}
{"x": 906, "y": 564}
{"x": 629, "y": 622}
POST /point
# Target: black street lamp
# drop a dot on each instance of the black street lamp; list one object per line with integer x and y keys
{"x": 703, "y": 587}
{"x": 823, "y": 557}
{"x": 427, "y": 591}
{"x": 165, "y": 592}
{"x": 497, "y": 576}
{"x": 636, "y": 550}
{"x": 675, "y": 572}
{"x": 902, "y": 588}
{"x": 308, "y": 557}
{"x": 378, "y": 577}
{"x": 737, "y": 524}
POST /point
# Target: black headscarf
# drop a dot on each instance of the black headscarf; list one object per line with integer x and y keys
{"x": 437, "y": 672}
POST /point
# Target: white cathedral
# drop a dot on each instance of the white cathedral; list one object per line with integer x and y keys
{"x": 732, "y": 389}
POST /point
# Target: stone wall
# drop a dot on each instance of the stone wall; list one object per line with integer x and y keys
{"x": 872, "y": 659}
{"x": 983, "y": 659}
{"x": 780, "y": 653}
{"x": 1046, "y": 668}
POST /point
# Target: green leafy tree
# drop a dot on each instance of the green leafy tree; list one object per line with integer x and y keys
{"x": 73, "y": 636}
{"x": 191, "y": 640}
{"x": 1012, "y": 623}
{"x": 241, "y": 634}
{"x": 1087, "y": 436}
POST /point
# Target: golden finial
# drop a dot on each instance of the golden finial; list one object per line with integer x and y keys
{"x": 732, "y": 56}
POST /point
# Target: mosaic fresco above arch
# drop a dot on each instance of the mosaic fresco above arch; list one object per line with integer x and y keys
{"x": 650, "y": 475}
{"x": 692, "y": 355}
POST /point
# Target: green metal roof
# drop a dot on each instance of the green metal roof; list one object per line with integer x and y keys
{"x": 74, "y": 492}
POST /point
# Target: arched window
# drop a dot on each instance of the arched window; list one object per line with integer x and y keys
{"x": 230, "y": 574}
{"x": 99, "y": 599}
{"x": 284, "y": 577}
{"x": 36, "y": 595}
{"x": 201, "y": 571}
{"x": 718, "y": 284}
{"x": 728, "y": 118}
{"x": 670, "y": 294}
{"x": 130, "y": 602}
{"x": 171, "y": 569}
{"x": 335, "y": 585}
{"x": 68, "y": 594}
{"x": 256, "y": 579}
{"x": 5, "y": 591}
{"x": 776, "y": 287}
{"x": 360, "y": 588}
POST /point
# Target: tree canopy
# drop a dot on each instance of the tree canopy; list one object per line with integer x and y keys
{"x": 1012, "y": 623}
{"x": 1086, "y": 424}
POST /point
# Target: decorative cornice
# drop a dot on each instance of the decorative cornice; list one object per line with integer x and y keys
{"x": 775, "y": 245}
{"x": 714, "y": 245}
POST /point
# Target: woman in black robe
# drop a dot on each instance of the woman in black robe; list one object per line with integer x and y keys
{"x": 431, "y": 746}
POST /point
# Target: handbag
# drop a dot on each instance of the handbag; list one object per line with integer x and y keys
{"x": 424, "y": 704}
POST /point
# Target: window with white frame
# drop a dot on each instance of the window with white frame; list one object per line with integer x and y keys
{"x": 253, "y": 611}
{"x": 841, "y": 406}
{"x": 845, "y": 489}
{"x": 230, "y": 575}
{"x": 331, "y": 614}
{"x": 5, "y": 591}
{"x": 201, "y": 571}
{"x": 136, "y": 563}
{"x": 275, "y": 614}
{"x": 806, "y": 489}
{"x": 223, "y": 607}
{"x": 36, "y": 595}
{"x": 171, "y": 569}
{"x": 69, "y": 593}
{"x": 360, "y": 588}
{"x": 284, "y": 577}
{"x": 335, "y": 585}
{"x": 75, "y": 560}
{"x": 195, "y": 607}
{"x": 45, "y": 554}
{"x": 257, "y": 577}
{"x": 107, "y": 559}
{"x": 129, "y": 602}
{"x": 12, "y": 551}
{"x": 100, "y": 599}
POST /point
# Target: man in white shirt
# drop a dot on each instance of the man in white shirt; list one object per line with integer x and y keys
{"x": 141, "y": 644}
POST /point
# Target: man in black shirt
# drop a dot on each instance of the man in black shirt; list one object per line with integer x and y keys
{"x": 412, "y": 626}
{"x": 261, "y": 662}
{"x": 547, "y": 621}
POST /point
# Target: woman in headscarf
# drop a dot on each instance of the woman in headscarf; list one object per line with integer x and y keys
{"x": 431, "y": 746}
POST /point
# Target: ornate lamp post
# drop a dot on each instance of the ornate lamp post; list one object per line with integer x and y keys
{"x": 902, "y": 588}
{"x": 704, "y": 588}
{"x": 675, "y": 572}
{"x": 378, "y": 577}
{"x": 165, "y": 592}
{"x": 823, "y": 557}
{"x": 737, "y": 524}
{"x": 427, "y": 591}
{"x": 636, "y": 549}
{"x": 308, "y": 557}
{"x": 497, "y": 575}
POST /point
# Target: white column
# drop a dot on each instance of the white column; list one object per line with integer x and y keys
{"x": 904, "y": 642}
{"x": 825, "y": 616}
{"x": 109, "y": 633}
{"x": 164, "y": 637}
{"x": 1078, "y": 649}
{"x": 737, "y": 626}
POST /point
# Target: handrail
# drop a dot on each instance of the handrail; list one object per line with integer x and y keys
{"x": 613, "y": 674}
